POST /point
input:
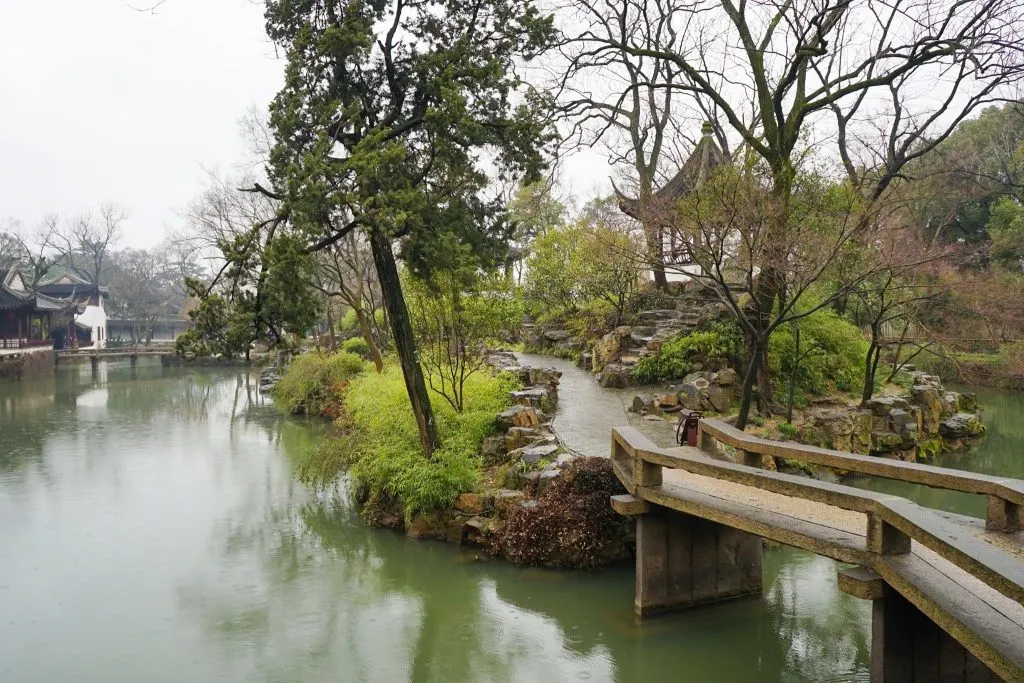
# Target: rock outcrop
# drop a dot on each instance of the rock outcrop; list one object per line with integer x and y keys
{"x": 897, "y": 426}
{"x": 705, "y": 391}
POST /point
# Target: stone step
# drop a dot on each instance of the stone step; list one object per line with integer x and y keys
{"x": 658, "y": 314}
{"x": 640, "y": 340}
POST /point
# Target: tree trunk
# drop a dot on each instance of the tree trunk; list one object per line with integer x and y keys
{"x": 749, "y": 380}
{"x": 870, "y": 369}
{"x": 771, "y": 280}
{"x": 792, "y": 375}
{"x": 405, "y": 343}
{"x": 371, "y": 343}
{"x": 656, "y": 254}
{"x": 330, "y": 326}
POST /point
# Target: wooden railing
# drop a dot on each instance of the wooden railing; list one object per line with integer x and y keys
{"x": 1005, "y": 510}
{"x": 892, "y": 522}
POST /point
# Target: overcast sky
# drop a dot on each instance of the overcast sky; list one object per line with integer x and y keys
{"x": 100, "y": 103}
{"x": 103, "y": 103}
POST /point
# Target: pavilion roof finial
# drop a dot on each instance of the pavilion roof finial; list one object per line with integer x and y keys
{"x": 708, "y": 129}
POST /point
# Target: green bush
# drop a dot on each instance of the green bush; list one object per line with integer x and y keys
{"x": 356, "y": 345}
{"x": 575, "y": 265}
{"x": 379, "y": 442}
{"x": 313, "y": 382}
{"x": 836, "y": 362}
{"x": 715, "y": 342}
{"x": 349, "y": 321}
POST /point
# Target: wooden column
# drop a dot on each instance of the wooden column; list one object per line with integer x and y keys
{"x": 683, "y": 561}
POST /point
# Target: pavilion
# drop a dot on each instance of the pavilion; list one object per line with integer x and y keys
{"x": 705, "y": 158}
{"x": 27, "y": 316}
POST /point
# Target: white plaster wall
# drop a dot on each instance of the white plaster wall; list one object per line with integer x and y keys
{"x": 95, "y": 317}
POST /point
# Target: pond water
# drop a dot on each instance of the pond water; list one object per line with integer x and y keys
{"x": 152, "y": 529}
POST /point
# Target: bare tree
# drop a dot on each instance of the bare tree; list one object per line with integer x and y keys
{"x": 19, "y": 245}
{"x": 137, "y": 292}
{"x": 857, "y": 67}
{"x": 629, "y": 101}
{"x": 11, "y": 251}
{"x": 344, "y": 270}
{"x": 86, "y": 241}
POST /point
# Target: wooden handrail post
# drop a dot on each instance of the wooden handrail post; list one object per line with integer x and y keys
{"x": 1002, "y": 515}
{"x": 885, "y": 539}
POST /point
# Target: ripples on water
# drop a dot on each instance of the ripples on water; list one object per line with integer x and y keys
{"x": 151, "y": 529}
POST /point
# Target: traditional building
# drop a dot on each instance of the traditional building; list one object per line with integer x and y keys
{"x": 90, "y": 323}
{"x": 706, "y": 157}
{"x": 27, "y": 316}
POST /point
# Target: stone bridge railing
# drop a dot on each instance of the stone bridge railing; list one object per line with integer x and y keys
{"x": 1005, "y": 511}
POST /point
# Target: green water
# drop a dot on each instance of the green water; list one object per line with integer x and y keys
{"x": 151, "y": 529}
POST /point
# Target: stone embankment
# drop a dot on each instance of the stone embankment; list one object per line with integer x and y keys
{"x": 539, "y": 504}
{"x": 13, "y": 367}
{"x": 916, "y": 425}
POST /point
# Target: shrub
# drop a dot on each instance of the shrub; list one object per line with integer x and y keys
{"x": 574, "y": 265}
{"x": 356, "y": 345}
{"x": 349, "y": 321}
{"x": 313, "y": 382}
{"x": 455, "y": 316}
{"x": 715, "y": 342}
{"x": 378, "y": 441}
{"x": 836, "y": 364}
{"x": 572, "y": 524}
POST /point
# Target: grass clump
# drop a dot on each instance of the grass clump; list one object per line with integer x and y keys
{"x": 378, "y": 442}
{"x": 314, "y": 382}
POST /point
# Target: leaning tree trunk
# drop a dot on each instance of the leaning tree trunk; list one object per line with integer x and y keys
{"x": 405, "y": 343}
{"x": 330, "y": 326}
{"x": 871, "y": 368}
{"x": 371, "y": 343}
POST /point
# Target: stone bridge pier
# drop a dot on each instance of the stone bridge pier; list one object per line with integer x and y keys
{"x": 907, "y": 645}
{"x": 682, "y": 560}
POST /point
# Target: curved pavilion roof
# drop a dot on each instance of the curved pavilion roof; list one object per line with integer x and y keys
{"x": 705, "y": 158}
{"x": 15, "y": 293}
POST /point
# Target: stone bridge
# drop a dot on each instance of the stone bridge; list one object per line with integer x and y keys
{"x": 94, "y": 356}
{"x": 947, "y": 590}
